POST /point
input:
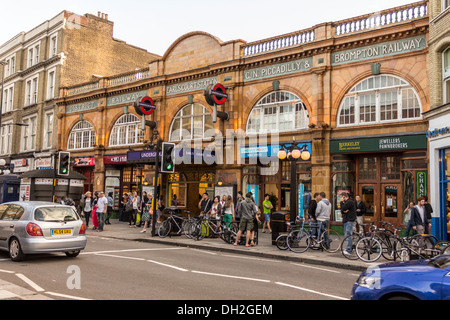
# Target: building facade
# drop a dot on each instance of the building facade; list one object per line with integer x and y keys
{"x": 350, "y": 92}
{"x": 65, "y": 50}
{"x": 439, "y": 115}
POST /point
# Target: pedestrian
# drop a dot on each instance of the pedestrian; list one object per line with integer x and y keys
{"x": 239, "y": 199}
{"x": 348, "y": 210}
{"x": 109, "y": 209}
{"x": 312, "y": 212}
{"x": 228, "y": 212}
{"x": 256, "y": 222}
{"x": 323, "y": 213}
{"x": 267, "y": 209}
{"x": 121, "y": 207}
{"x": 94, "y": 211}
{"x": 205, "y": 205}
{"x": 419, "y": 220}
{"x": 407, "y": 218}
{"x": 360, "y": 212}
{"x": 147, "y": 212}
{"x": 428, "y": 209}
{"x": 86, "y": 205}
{"x": 161, "y": 207}
{"x": 135, "y": 204}
{"x": 174, "y": 202}
{"x": 102, "y": 205}
{"x": 247, "y": 212}
{"x": 216, "y": 208}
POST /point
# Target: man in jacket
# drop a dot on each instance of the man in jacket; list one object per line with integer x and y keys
{"x": 419, "y": 220}
{"x": 348, "y": 210}
{"x": 247, "y": 210}
{"x": 323, "y": 213}
{"x": 360, "y": 211}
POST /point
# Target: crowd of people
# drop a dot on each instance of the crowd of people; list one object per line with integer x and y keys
{"x": 97, "y": 208}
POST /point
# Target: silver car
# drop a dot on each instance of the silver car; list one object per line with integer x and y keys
{"x": 40, "y": 227}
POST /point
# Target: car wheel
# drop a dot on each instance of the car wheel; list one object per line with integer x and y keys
{"x": 72, "y": 254}
{"x": 15, "y": 250}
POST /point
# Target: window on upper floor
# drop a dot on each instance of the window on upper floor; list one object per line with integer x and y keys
{"x": 446, "y": 75}
{"x": 278, "y": 111}
{"x": 379, "y": 99}
{"x": 6, "y": 137}
{"x": 29, "y": 134}
{"x": 190, "y": 123}
{"x": 82, "y": 136}
{"x": 127, "y": 131}
{"x": 445, "y": 4}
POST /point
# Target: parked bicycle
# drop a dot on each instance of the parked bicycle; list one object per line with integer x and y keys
{"x": 313, "y": 235}
{"x": 355, "y": 237}
{"x": 173, "y": 222}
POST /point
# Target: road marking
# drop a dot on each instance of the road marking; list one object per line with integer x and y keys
{"x": 228, "y": 276}
{"x": 311, "y": 291}
{"x": 168, "y": 265}
{"x": 30, "y": 283}
{"x": 65, "y": 296}
{"x": 6, "y": 271}
{"x": 317, "y": 268}
{"x": 121, "y": 257}
{"x": 250, "y": 258}
{"x": 130, "y": 250}
{"x": 204, "y": 251}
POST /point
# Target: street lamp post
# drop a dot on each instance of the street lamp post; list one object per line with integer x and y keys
{"x": 293, "y": 153}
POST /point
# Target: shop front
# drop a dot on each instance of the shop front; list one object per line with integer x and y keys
{"x": 86, "y": 166}
{"x": 439, "y": 144}
{"x": 387, "y": 173}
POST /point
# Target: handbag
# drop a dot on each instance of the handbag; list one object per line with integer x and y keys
{"x": 128, "y": 207}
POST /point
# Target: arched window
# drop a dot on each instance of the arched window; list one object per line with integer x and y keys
{"x": 279, "y": 111}
{"x": 127, "y": 131}
{"x": 82, "y": 136}
{"x": 379, "y": 99}
{"x": 191, "y": 122}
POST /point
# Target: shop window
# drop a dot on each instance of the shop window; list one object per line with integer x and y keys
{"x": 390, "y": 168}
{"x": 379, "y": 99}
{"x": 342, "y": 182}
{"x": 191, "y": 122}
{"x": 279, "y": 111}
{"x": 127, "y": 131}
{"x": 82, "y": 136}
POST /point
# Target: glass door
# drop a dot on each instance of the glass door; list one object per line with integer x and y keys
{"x": 390, "y": 203}
{"x": 368, "y": 194}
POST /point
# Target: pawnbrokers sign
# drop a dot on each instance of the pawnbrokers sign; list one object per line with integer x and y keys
{"x": 399, "y": 143}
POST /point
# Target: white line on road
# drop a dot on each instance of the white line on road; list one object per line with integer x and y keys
{"x": 317, "y": 268}
{"x": 6, "y": 271}
{"x": 65, "y": 296}
{"x": 121, "y": 257}
{"x": 168, "y": 265}
{"x": 131, "y": 250}
{"x": 250, "y": 258}
{"x": 228, "y": 276}
{"x": 30, "y": 283}
{"x": 311, "y": 291}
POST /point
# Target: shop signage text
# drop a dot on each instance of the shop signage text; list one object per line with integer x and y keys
{"x": 278, "y": 69}
{"x": 125, "y": 98}
{"x": 438, "y": 132}
{"x": 379, "y": 50}
{"x": 267, "y": 151}
{"x": 379, "y": 144}
{"x": 116, "y": 159}
{"x": 81, "y": 107}
{"x": 190, "y": 86}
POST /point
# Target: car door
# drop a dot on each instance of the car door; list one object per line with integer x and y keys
{"x": 5, "y": 226}
{"x": 8, "y": 223}
{"x": 445, "y": 293}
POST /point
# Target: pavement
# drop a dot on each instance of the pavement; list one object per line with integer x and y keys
{"x": 264, "y": 249}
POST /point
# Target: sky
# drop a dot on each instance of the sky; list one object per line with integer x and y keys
{"x": 155, "y": 25}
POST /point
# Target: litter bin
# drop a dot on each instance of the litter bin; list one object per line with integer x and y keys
{"x": 279, "y": 224}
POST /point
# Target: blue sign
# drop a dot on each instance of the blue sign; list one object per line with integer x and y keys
{"x": 254, "y": 189}
{"x": 268, "y": 151}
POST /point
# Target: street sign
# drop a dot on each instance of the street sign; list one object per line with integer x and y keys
{"x": 216, "y": 94}
{"x": 144, "y": 106}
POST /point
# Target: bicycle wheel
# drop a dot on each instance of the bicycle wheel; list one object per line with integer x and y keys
{"x": 298, "y": 241}
{"x": 391, "y": 247}
{"x": 281, "y": 242}
{"x": 351, "y": 255}
{"x": 369, "y": 249}
{"x": 164, "y": 229}
{"x": 330, "y": 241}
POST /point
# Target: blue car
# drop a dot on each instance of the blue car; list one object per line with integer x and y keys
{"x": 412, "y": 280}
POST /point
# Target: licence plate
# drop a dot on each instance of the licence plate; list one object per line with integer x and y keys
{"x": 61, "y": 232}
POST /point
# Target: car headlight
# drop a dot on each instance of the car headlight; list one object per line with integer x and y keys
{"x": 369, "y": 282}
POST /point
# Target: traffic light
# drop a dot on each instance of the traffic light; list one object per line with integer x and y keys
{"x": 168, "y": 158}
{"x": 64, "y": 164}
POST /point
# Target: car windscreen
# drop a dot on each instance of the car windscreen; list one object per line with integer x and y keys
{"x": 55, "y": 214}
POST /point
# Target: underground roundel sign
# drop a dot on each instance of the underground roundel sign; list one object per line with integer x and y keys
{"x": 216, "y": 94}
{"x": 145, "y": 106}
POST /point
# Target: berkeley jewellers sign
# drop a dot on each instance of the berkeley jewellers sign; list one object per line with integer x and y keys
{"x": 379, "y": 50}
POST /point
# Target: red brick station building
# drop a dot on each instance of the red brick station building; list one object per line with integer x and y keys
{"x": 353, "y": 92}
